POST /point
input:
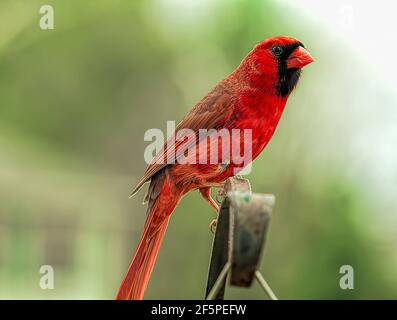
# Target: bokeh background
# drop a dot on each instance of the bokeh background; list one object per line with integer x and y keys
{"x": 76, "y": 101}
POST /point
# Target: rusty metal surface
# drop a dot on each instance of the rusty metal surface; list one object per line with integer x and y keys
{"x": 237, "y": 184}
{"x": 240, "y": 235}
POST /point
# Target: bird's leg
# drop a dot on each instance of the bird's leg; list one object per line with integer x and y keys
{"x": 220, "y": 195}
{"x": 206, "y": 193}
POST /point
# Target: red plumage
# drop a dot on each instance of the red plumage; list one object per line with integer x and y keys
{"x": 252, "y": 97}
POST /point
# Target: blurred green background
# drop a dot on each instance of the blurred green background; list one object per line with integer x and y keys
{"x": 76, "y": 101}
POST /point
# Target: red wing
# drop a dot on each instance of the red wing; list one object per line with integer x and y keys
{"x": 210, "y": 113}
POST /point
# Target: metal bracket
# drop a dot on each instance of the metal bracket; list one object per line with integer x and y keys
{"x": 239, "y": 239}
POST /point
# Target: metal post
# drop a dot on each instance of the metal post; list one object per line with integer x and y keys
{"x": 239, "y": 239}
{"x": 265, "y": 286}
{"x": 219, "y": 282}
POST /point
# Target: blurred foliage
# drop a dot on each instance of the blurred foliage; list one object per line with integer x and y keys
{"x": 74, "y": 105}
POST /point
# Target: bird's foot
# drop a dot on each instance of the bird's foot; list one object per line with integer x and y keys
{"x": 220, "y": 196}
{"x": 212, "y": 226}
{"x": 206, "y": 193}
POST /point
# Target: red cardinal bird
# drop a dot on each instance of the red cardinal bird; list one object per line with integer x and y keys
{"x": 252, "y": 97}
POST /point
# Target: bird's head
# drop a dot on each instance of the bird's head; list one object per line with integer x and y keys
{"x": 276, "y": 63}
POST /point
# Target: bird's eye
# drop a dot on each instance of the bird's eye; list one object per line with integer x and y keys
{"x": 277, "y": 50}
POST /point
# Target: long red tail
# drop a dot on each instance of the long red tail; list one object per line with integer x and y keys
{"x": 160, "y": 208}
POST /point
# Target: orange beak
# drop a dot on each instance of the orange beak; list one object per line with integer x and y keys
{"x": 299, "y": 58}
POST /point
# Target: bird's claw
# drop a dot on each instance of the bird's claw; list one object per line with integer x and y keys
{"x": 220, "y": 196}
{"x": 212, "y": 226}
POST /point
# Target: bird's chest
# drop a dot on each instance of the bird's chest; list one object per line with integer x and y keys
{"x": 256, "y": 118}
{"x": 247, "y": 133}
